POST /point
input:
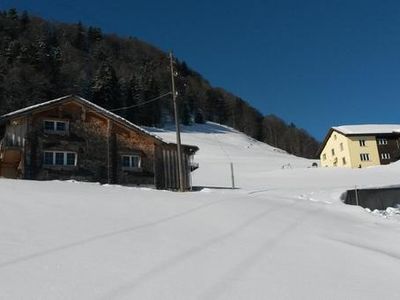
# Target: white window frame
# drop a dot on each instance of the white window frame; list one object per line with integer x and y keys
{"x": 55, "y": 122}
{"x": 364, "y": 157}
{"x": 382, "y": 141}
{"x": 385, "y": 155}
{"x": 131, "y": 167}
{"x": 362, "y": 143}
{"x": 65, "y": 154}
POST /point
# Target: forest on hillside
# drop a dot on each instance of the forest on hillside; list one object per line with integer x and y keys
{"x": 41, "y": 60}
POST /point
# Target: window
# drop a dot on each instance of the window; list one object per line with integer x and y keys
{"x": 341, "y": 146}
{"x": 362, "y": 143}
{"x": 364, "y": 156}
{"x": 131, "y": 162}
{"x": 324, "y": 156}
{"x": 335, "y": 137}
{"x": 61, "y": 126}
{"x": 333, "y": 152}
{"x": 52, "y": 126}
{"x": 49, "y": 125}
{"x": 71, "y": 159}
{"x": 126, "y": 161}
{"x": 344, "y": 160}
{"x": 382, "y": 141}
{"x": 59, "y": 158}
{"x": 48, "y": 158}
{"x": 385, "y": 155}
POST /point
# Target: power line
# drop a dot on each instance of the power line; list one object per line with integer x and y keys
{"x": 141, "y": 104}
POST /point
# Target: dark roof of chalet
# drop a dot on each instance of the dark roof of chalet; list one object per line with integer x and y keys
{"x": 91, "y": 105}
{"x": 361, "y": 129}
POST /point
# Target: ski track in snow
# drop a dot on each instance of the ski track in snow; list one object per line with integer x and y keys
{"x": 239, "y": 270}
{"x": 106, "y": 235}
{"x": 181, "y": 257}
{"x": 364, "y": 247}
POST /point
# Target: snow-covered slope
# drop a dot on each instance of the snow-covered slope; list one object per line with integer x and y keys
{"x": 260, "y": 166}
{"x": 283, "y": 235}
{"x": 220, "y": 145}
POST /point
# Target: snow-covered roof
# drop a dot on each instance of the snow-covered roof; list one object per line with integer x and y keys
{"x": 32, "y": 107}
{"x": 89, "y": 104}
{"x": 368, "y": 129}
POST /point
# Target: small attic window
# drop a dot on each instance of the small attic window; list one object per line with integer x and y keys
{"x": 335, "y": 137}
{"x": 55, "y": 126}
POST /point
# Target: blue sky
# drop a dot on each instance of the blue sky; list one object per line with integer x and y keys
{"x": 315, "y": 63}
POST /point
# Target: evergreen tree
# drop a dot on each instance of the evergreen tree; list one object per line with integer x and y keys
{"x": 105, "y": 87}
{"x": 24, "y": 20}
{"x": 94, "y": 34}
{"x": 79, "y": 40}
{"x": 185, "y": 112}
{"x": 12, "y": 14}
{"x": 199, "y": 117}
{"x": 151, "y": 112}
{"x": 138, "y": 96}
{"x": 128, "y": 95}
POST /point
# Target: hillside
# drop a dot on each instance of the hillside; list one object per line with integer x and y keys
{"x": 220, "y": 145}
{"x": 42, "y": 60}
{"x": 283, "y": 235}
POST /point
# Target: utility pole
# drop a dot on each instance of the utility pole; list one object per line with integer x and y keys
{"x": 177, "y": 126}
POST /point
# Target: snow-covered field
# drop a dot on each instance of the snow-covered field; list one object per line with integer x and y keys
{"x": 284, "y": 234}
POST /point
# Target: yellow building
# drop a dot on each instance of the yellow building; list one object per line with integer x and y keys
{"x": 359, "y": 146}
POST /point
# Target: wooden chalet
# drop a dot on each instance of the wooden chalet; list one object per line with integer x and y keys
{"x": 72, "y": 138}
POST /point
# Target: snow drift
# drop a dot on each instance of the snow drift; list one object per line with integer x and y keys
{"x": 283, "y": 235}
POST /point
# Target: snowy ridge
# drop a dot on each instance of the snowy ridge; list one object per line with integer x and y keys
{"x": 368, "y": 128}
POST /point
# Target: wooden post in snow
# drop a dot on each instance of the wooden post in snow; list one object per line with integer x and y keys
{"x": 356, "y": 193}
{"x": 108, "y": 151}
{"x": 232, "y": 176}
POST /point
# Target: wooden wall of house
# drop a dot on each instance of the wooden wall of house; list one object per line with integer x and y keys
{"x": 129, "y": 142}
{"x": 98, "y": 141}
{"x": 87, "y": 137}
{"x": 167, "y": 168}
{"x": 392, "y": 147}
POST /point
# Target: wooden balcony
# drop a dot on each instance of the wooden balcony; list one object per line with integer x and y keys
{"x": 10, "y": 158}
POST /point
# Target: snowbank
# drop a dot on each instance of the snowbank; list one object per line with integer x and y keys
{"x": 283, "y": 235}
